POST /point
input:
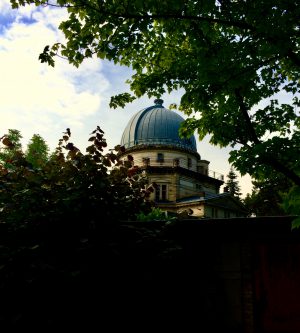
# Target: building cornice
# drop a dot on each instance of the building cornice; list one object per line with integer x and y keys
{"x": 159, "y": 147}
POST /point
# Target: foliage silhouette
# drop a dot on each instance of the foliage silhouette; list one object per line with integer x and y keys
{"x": 267, "y": 196}
{"x": 232, "y": 184}
{"x": 59, "y": 235}
{"x": 71, "y": 184}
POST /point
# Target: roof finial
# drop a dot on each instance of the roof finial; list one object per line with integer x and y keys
{"x": 158, "y": 101}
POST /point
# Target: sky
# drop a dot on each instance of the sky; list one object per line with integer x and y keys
{"x": 38, "y": 99}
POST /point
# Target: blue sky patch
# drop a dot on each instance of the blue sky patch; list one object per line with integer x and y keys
{"x": 6, "y": 21}
{"x": 27, "y": 20}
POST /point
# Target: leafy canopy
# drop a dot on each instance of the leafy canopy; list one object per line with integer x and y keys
{"x": 267, "y": 196}
{"x": 227, "y": 57}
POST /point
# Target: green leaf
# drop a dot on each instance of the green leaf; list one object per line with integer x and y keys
{"x": 296, "y": 223}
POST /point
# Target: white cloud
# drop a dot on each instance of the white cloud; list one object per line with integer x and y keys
{"x": 35, "y": 97}
{"x": 5, "y": 7}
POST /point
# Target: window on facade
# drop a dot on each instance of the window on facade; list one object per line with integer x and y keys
{"x": 161, "y": 193}
{"x": 214, "y": 212}
{"x": 157, "y": 192}
{"x": 176, "y": 162}
{"x": 189, "y": 162}
{"x": 146, "y": 161}
{"x": 160, "y": 157}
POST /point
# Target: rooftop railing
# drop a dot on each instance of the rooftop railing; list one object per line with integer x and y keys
{"x": 215, "y": 175}
{"x": 176, "y": 162}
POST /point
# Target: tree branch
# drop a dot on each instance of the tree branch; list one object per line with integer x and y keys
{"x": 294, "y": 57}
{"x": 275, "y": 163}
{"x": 244, "y": 111}
{"x": 126, "y": 15}
{"x": 284, "y": 170}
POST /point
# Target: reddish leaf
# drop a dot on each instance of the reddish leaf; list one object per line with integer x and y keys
{"x": 7, "y": 142}
{"x": 100, "y": 130}
{"x": 70, "y": 146}
{"x": 106, "y": 162}
{"x": 90, "y": 149}
{"x": 150, "y": 189}
{"x": 98, "y": 144}
{"x": 147, "y": 194}
{"x": 99, "y": 136}
{"x": 113, "y": 157}
{"x": 132, "y": 171}
{"x": 71, "y": 154}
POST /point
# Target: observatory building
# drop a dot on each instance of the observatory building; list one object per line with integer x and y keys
{"x": 184, "y": 182}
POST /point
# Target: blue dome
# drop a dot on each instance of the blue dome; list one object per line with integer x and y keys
{"x": 156, "y": 125}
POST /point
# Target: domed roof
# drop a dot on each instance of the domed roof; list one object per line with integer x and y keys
{"x": 156, "y": 125}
